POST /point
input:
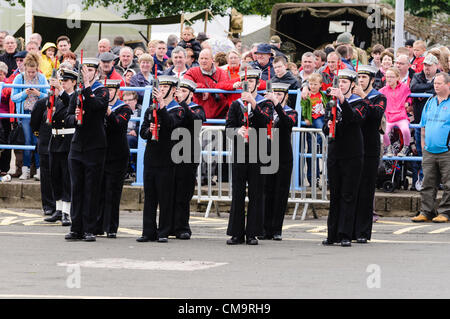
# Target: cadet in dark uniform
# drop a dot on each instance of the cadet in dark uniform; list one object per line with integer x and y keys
{"x": 246, "y": 168}
{"x": 371, "y": 134}
{"x": 345, "y": 159}
{"x": 87, "y": 152}
{"x": 276, "y": 192}
{"x": 43, "y": 131}
{"x": 116, "y": 163}
{"x": 59, "y": 147}
{"x": 186, "y": 171}
{"x": 159, "y": 168}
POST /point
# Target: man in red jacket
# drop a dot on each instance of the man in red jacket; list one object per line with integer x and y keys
{"x": 207, "y": 76}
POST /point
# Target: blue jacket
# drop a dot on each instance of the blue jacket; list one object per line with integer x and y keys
{"x": 139, "y": 80}
{"x": 19, "y": 96}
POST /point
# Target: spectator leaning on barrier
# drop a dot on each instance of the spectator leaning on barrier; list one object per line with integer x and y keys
{"x": 234, "y": 64}
{"x": 422, "y": 82}
{"x": 25, "y": 100}
{"x": 126, "y": 61}
{"x": 10, "y": 46}
{"x": 144, "y": 77}
{"x": 131, "y": 98}
{"x": 308, "y": 66}
{"x": 206, "y": 76}
{"x": 435, "y": 124}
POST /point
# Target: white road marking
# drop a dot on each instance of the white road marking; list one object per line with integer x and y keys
{"x": 124, "y": 263}
{"x": 440, "y": 230}
{"x": 318, "y": 229}
{"x": 408, "y": 229}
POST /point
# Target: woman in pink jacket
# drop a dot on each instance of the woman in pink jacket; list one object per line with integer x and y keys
{"x": 397, "y": 96}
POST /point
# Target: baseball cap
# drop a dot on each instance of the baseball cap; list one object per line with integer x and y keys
{"x": 430, "y": 59}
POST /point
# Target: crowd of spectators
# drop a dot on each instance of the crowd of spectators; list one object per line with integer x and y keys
{"x": 191, "y": 57}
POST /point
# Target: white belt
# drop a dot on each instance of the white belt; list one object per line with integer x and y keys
{"x": 64, "y": 131}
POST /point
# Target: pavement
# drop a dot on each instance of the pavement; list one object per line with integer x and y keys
{"x": 404, "y": 260}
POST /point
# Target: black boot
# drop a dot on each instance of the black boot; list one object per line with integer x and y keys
{"x": 55, "y": 217}
{"x": 65, "y": 220}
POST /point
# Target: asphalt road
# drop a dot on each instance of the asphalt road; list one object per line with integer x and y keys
{"x": 404, "y": 260}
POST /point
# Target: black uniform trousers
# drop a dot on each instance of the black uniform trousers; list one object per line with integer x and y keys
{"x": 48, "y": 201}
{"x": 185, "y": 177}
{"x": 86, "y": 173}
{"x": 158, "y": 189}
{"x": 364, "y": 208}
{"x": 276, "y": 193}
{"x": 111, "y": 193}
{"x": 60, "y": 176}
{"x": 344, "y": 177}
{"x": 241, "y": 174}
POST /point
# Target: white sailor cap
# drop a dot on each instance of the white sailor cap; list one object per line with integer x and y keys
{"x": 367, "y": 69}
{"x": 167, "y": 80}
{"x": 188, "y": 84}
{"x": 280, "y": 87}
{"x": 112, "y": 84}
{"x": 347, "y": 74}
{"x": 251, "y": 74}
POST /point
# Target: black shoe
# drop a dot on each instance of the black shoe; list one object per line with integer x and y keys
{"x": 361, "y": 240}
{"x": 327, "y": 242}
{"x": 57, "y": 215}
{"x": 235, "y": 241}
{"x": 73, "y": 236}
{"x": 49, "y": 212}
{"x": 277, "y": 237}
{"x": 265, "y": 237}
{"x": 163, "y": 240}
{"x": 346, "y": 243}
{"x": 65, "y": 220}
{"x": 89, "y": 237}
{"x": 111, "y": 235}
{"x": 143, "y": 239}
{"x": 252, "y": 241}
{"x": 184, "y": 236}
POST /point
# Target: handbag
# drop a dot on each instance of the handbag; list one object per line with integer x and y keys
{"x": 17, "y": 136}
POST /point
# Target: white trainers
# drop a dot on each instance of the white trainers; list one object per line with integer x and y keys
{"x": 37, "y": 176}
{"x": 5, "y": 179}
{"x": 404, "y": 151}
{"x": 390, "y": 151}
{"x": 25, "y": 173}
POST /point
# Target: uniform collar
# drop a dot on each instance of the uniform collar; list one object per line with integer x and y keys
{"x": 117, "y": 105}
{"x": 173, "y": 104}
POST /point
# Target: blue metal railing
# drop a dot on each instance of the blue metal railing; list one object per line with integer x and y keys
{"x": 146, "y": 102}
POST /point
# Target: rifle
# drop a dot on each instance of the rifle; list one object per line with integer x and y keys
{"x": 269, "y": 90}
{"x": 155, "y": 134}
{"x": 51, "y": 100}
{"x": 245, "y": 89}
{"x": 333, "y": 105}
{"x": 79, "y": 94}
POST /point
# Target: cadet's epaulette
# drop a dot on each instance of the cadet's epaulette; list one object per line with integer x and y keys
{"x": 259, "y": 99}
{"x": 172, "y": 105}
{"x": 372, "y": 94}
{"x": 96, "y": 86}
{"x": 354, "y": 98}
{"x": 118, "y": 105}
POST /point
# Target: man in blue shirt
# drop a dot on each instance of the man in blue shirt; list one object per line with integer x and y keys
{"x": 435, "y": 124}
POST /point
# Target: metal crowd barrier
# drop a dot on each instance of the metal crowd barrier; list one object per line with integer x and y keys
{"x": 299, "y": 194}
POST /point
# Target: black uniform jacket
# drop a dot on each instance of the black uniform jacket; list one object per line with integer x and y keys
{"x": 258, "y": 118}
{"x": 39, "y": 126}
{"x": 116, "y": 131}
{"x": 193, "y": 112}
{"x": 376, "y": 103}
{"x": 158, "y": 153}
{"x": 284, "y": 119}
{"x": 91, "y": 134}
{"x": 349, "y": 118}
{"x": 61, "y": 143}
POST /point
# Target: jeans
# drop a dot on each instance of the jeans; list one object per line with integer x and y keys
{"x": 30, "y": 139}
{"x": 316, "y": 123}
